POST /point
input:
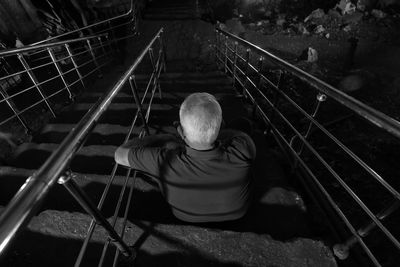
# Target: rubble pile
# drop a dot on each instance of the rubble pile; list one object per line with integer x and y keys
{"x": 344, "y": 20}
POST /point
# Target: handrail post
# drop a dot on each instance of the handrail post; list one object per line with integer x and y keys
{"x": 226, "y": 54}
{"x": 134, "y": 89}
{"x": 80, "y": 196}
{"x": 342, "y": 250}
{"x": 259, "y": 70}
{"x": 100, "y": 74}
{"x": 234, "y": 65}
{"x": 101, "y": 44}
{"x": 217, "y": 44}
{"x": 108, "y": 42}
{"x": 164, "y": 51}
{"x": 246, "y": 71}
{"x": 275, "y": 101}
{"x": 151, "y": 56}
{"x": 320, "y": 98}
{"x": 71, "y": 56}
{"x": 35, "y": 82}
{"x": 60, "y": 73}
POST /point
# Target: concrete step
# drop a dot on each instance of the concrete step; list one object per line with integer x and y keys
{"x": 96, "y": 159}
{"x": 60, "y": 234}
{"x": 11, "y": 179}
{"x": 111, "y": 134}
{"x": 118, "y": 113}
{"x": 170, "y": 98}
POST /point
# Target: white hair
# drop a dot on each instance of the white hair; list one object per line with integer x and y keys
{"x": 200, "y": 116}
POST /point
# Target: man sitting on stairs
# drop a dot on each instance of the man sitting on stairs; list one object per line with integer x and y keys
{"x": 205, "y": 175}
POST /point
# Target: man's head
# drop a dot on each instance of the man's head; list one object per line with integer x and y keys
{"x": 200, "y": 117}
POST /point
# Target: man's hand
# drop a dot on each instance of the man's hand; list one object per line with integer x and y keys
{"x": 121, "y": 156}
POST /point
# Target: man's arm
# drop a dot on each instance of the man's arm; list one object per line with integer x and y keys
{"x": 161, "y": 140}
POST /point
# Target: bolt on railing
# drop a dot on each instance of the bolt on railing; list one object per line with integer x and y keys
{"x": 246, "y": 63}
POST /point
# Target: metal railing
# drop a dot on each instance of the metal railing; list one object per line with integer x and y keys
{"x": 280, "y": 94}
{"x": 27, "y": 201}
{"x": 109, "y": 25}
{"x": 44, "y": 74}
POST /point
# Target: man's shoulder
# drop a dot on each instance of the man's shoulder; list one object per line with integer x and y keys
{"x": 235, "y": 141}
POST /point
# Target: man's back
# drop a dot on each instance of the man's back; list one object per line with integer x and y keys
{"x": 201, "y": 186}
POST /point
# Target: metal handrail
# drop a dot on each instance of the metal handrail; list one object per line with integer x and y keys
{"x": 253, "y": 81}
{"x": 130, "y": 11}
{"x": 25, "y": 49}
{"x": 372, "y": 115}
{"x": 28, "y": 199}
{"x": 43, "y": 51}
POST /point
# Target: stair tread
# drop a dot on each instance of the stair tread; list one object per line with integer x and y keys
{"x": 104, "y": 129}
{"x": 120, "y": 106}
{"x": 92, "y": 150}
{"x": 204, "y": 245}
{"x": 80, "y": 178}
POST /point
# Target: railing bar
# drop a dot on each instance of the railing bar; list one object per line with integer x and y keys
{"x": 330, "y": 199}
{"x": 12, "y": 75}
{"x": 355, "y": 197}
{"x": 25, "y": 49}
{"x": 370, "y": 114}
{"x": 60, "y": 72}
{"x": 365, "y": 166}
{"x": 27, "y": 89}
{"x": 86, "y": 27}
{"x": 115, "y": 216}
{"x": 102, "y": 199}
{"x": 82, "y": 198}
{"x": 22, "y": 207}
{"x": 339, "y": 179}
{"x": 127, "y": 208}
{"x": 324, "y": 191}
{"x": 105, "y": 192}
{"x": 16, "y": 94}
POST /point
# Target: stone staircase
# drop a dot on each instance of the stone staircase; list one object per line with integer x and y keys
{"x": 171, "y": 10}
{"x": 277, "y": 231}
{"x": 278, "y": 214}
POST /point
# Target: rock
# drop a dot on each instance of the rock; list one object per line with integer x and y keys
{"x": 379, "y": 14}
{"x": 319, "y": 29}
{"x": 327, "y": 36}
{"x": 300, "y": 28}
{"x": 280, "y": 22}
{"x": 312, "y": 55}
{"x": 309, "y": 54}
{"x": 347, "y": 28}
{"x": 346, "y": 7}
{"x": 18, "y": 43}
{"x": 316, "y": 14}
